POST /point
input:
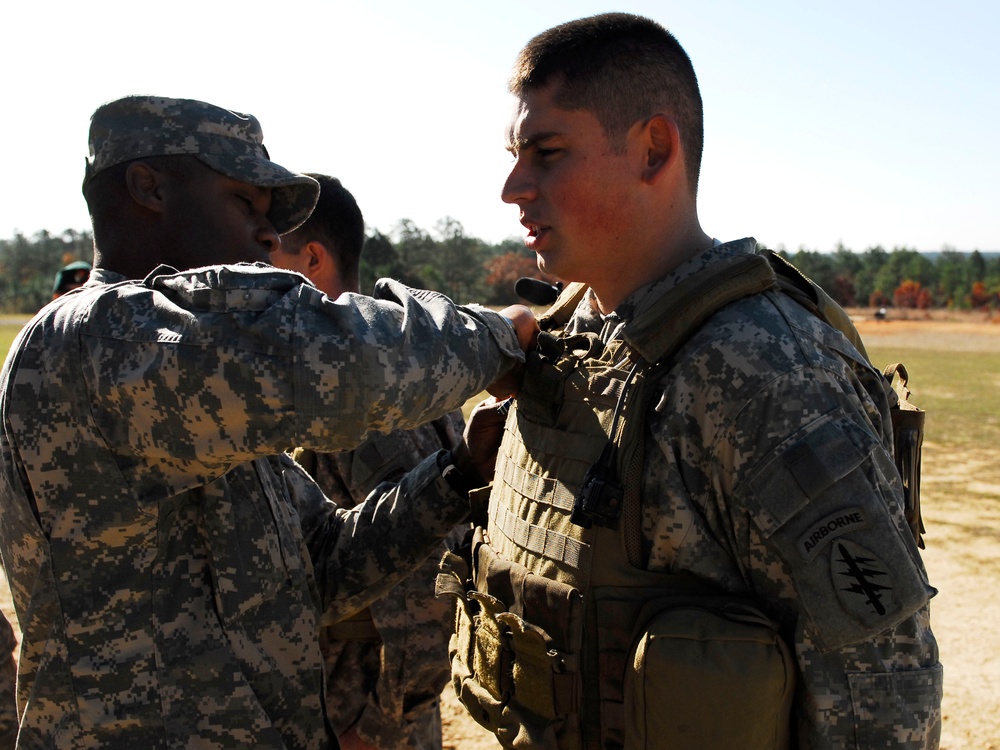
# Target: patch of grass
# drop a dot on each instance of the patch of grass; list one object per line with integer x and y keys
{"x": 8, "y": 330}
{"x": 960, "y": 391}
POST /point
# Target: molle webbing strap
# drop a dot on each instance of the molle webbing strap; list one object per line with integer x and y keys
{"x": 661, "y": 330}
{"x": 545, "y": 489}
{"x": 538, "y": 540}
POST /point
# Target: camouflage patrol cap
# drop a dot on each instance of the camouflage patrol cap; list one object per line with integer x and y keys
{"x": 74, "y": 273}
{"x": 229, "y": 142}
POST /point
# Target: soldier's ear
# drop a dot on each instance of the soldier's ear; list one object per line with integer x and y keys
{"x": 324, "y": 268}
{"x": 316, "y": 256}
{"x": 662, "y": 144}
{"x": 145, "y": 185}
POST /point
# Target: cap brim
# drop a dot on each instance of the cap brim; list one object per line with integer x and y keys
{"x": 293, "y": 195}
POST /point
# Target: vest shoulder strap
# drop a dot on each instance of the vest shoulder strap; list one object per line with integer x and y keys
{"x": 663, "y": 329}
{"x": 559, "y": 313}
{"x": 811, "y": 296}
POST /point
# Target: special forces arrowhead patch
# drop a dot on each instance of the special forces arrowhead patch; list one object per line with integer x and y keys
{"x": 862, "y": 581}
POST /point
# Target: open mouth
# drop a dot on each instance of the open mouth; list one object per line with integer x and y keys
{"x": 535, "y": 233}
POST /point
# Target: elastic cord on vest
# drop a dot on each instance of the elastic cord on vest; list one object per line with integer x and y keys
{"x": 601, "y": 495}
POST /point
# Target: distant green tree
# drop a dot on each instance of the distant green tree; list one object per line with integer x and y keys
{"x": 459, "y": 261}
{"x": 904, "y": 264}
{"x": 977, "y": 267}
{"x": 417, "y": 251}
{"x": 952, "y": 277}
{"x": 847, "y": 267}
{"x": 817, "y": 266}
{"x": 28, "y": 267}
{"x": 871, "y": 262}
{"x": 379, "y": 259}
{"x": 993, "y": 274}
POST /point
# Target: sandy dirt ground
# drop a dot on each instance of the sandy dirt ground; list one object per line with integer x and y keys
{"x": 962, "y": 516}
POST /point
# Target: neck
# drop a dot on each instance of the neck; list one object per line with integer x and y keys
{"x": 647, "y": 265}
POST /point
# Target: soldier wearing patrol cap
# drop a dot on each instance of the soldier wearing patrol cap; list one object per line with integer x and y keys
{"x": 168, "y": 563}
{"x": 696, "y": 535}
{"x": 71, "y": 276}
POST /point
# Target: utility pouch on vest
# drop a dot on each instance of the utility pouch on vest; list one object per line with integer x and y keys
{"x": 690, "y": 666}
{"x": 514, "y": 666}
{"x": 709, "y": 674}
{"x": 908, "y": 441}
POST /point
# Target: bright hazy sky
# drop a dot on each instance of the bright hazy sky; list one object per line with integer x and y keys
{"x": 866, "y": 123}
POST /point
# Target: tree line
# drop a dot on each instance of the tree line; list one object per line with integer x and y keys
{"x": 468, "y": 269}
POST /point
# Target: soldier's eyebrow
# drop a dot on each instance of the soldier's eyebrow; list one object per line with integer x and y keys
{"x": 516, "y": 145}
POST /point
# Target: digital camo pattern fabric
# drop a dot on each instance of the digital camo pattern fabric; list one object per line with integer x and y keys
{"x": 8, "y": 681}
{"x": 168, "y": 570}
{"x": 385, "y": 671}
{"x": 767, "y": 472}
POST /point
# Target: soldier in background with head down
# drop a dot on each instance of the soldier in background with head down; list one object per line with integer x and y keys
{"x": 166, "y": 575}
{"x": 386, "y": 666}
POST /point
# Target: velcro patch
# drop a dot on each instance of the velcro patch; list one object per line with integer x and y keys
{"x": 836, "y": 524}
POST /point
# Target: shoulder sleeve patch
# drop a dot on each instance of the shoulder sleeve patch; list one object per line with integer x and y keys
{"x": 811, "y": 461}
{"x": 821, "y": 503}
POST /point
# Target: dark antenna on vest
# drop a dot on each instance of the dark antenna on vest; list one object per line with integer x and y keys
{"x": 601, "y": 494}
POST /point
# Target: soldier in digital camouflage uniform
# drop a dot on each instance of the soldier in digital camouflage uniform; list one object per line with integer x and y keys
{"x": 765, "y": 486}
{"x": 386, "y": 666}
{"x": 168, "y": 562}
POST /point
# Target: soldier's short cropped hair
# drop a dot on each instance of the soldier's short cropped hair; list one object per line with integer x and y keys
{"x": 623, "y": 69}
{"x": 337, "y": 223}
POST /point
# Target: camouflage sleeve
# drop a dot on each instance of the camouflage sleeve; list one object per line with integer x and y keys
{"x": 388, "y": 688}
{"x": 215, "y": 367}
{"x": 361, "y": 553}
{"x": 827, "y": 547}
{"x": 413, "y": 626}
{"x": 768, "y": 453}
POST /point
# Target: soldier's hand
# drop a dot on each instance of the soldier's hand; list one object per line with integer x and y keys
{"x": 524, "y": 323}
{"x": 476, "y": 455}
{"x": 526, "y": 328}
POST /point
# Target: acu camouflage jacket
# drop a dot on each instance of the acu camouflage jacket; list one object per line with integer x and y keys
{"x": 167, "y": 588}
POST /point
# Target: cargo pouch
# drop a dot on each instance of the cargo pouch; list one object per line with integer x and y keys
{"x": 712, "y": 674}
{"x": 516, "y": 678}
{"x": 908, "y": 441}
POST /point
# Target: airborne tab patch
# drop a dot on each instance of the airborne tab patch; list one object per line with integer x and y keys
{"x": 834, "y": 525}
